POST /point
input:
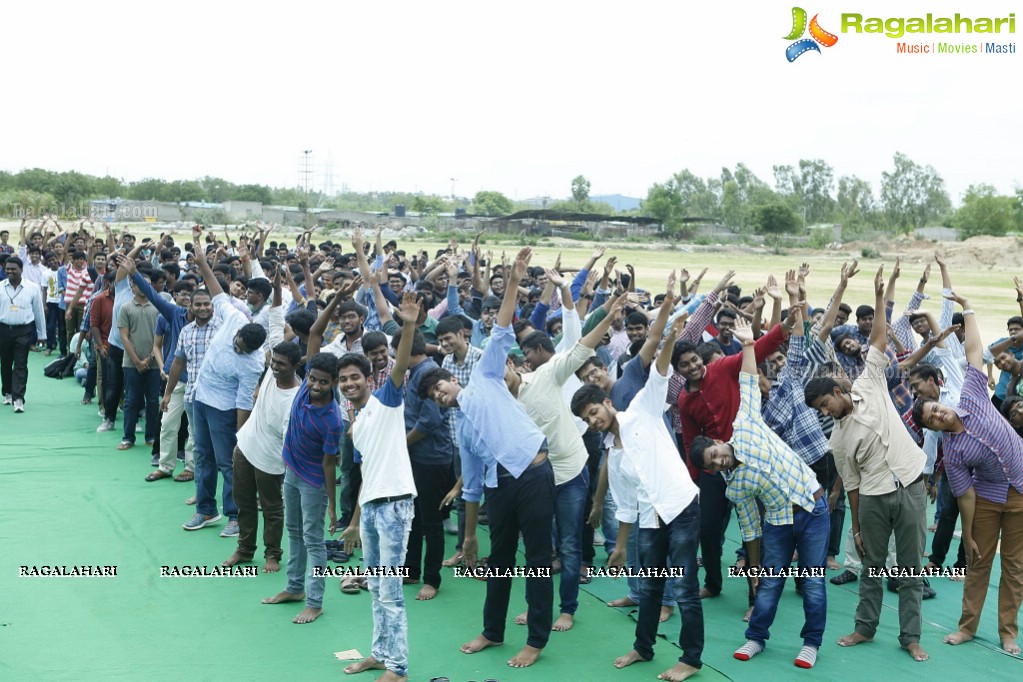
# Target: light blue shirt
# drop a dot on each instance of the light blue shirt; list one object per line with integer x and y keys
{"x": 493, "y": 428}
{"x": 122, "y": 294}
{"x": 227, "y": 380}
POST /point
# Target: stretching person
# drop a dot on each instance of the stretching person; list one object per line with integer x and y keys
{"x": 504, "y": 454}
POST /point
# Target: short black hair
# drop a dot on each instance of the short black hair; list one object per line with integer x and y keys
{"x": 449, "y": 325}
{"x": 326, "y": 362}
{"x": 587, "y": 395}
{"x": 864, "y": 311}
{"x": 14, "y": 260}
{"x": 520, "y": 326}
{"x": 842, "y": 338}
{"x": 818, "y": 387}
{"x": 925, "y": 372}
{"x": 418, "y": 342}
{"x": 592, "y": 361}
{"x": 301, "y": 320}
{"x": 918, "y": 410}
{"x": 373, "y": 340}
{"x": 253, "y": 335}
{"x": 352, "y": 307}
{"x": 708, "y": 350}
{"x": 635, "y": 319}
{"x": 431, "y": 379}
{"x": 1006, "y": 407}
{"x": 289, "y": 351}
{"x": 199, "y": 292}
{"x": 696, "y": 450}
{"x": 1016, "y": 320}
{"x": 354, "y": 360}
{"x": 262, "y": 287}
{"x": 537, "y": 340}
{"x": 681, "y": 348}
{"x": 725, "y": 312}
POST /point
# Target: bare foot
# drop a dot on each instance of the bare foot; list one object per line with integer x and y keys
{"x": 621, "y": 602}
{"x": 391, "y": 676}
{"x": 236, "y": 559}
{"x": 957, "y": 577}
{"x": 564, "y": 623}
{"x": 707, "y": 594}
{"x": 666, "y": 612}
{"x": 931, "y": 528}
{"x": 931, "y": 566}
{"x": 629, "y": 658}
{"x": 740, "y": 562}
{"x": 272, "y": 566}
{"x": 854, "y": 639}
{"x": 749, "y": 612}
{"x": 522, "y": 618}
{"x": 283, "y": 597}
{"x": 426, "y": 592}
{"x": 307, "y": 615}
{"x": 680, "y": 671}
{"x": 453, "y": 560}
{"x": 916, "y": 651}
{"x": 833, "y": 564}
{"x": 958, "y": 638}
{"x": 410, "y": 581}
{"x": 368, "y": 663}
{"x": 526, "y": 657}
{"x": 478, "y": 644}
{"x": 1009, "y": 646}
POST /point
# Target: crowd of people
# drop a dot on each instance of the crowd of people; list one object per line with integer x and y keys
{"x": 390, "y": 395}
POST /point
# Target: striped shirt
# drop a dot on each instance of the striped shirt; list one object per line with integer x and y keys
{"x": 768, "y": 469}
{"x": 77, "y": 279}
{"x": 193, "y": 342}
{"x": 462, "y": 372}
{"x": 988, "y": 445}
{"x": 785, "y": 410}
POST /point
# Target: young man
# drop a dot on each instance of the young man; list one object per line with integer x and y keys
{"x": 258, "y": 466}
{"x": 21, "y": 316}
{"x": 56, "y": 331}
{"x": 505, "y": 454}
{"x": 984, "y": 462}
{"x": 762, "y": 467}
{"x": 882, "y": 470}
{"x": 651, "y": 487}
{"x": 383, "y": 519}
{"x": 136, "y": 324}
{"x": 226, "y": 383}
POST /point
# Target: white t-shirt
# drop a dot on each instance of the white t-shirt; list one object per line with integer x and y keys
{"x": 261, "y": 438}
{"x": 50, "y": 287}
{"x": 379, "y": 435}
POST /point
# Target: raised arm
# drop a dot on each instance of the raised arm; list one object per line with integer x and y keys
{"x": 320, "y": 325}
{"x": 408, "y": 313}
{"x": 828, "y": 321}
{"x": 511, "y": 287}
{"x": 212, "y": 285}
{"x": 744, "y": 334}
{"x": 664, "y": 357}
{"x": 879, "y": 331}
{"x": 974, "y": 346}
{"x": 656, "y": 331}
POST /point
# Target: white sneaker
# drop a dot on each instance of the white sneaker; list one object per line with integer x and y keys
{"x": 107, "y": 425}
{"x": 8, "y": 399}
{"x": 19, "y": 405}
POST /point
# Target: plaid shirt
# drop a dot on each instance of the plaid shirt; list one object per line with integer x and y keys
{"x": 785, "y": 410}
{"x": 767, "y": 469}
{"x": 462, "y": 373}
{"x": 193, "y": 342}
{"x": 988, "y": 445}
{"x": 817, "y": 355}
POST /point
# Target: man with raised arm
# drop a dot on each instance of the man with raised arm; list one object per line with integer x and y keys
{"x": 882, "y": 470}
{"x": 984, "y": 463}
{"x": 504, "y": 454}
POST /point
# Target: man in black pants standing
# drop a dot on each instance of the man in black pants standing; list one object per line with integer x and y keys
{"x": 22, "y": 323}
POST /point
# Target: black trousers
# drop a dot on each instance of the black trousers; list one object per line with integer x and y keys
{"x": 351, "y": 477}
{"x": 524, "y": 504}
{"x": 946, "y": 527}
{"x": 15, "y": 340}
{"x": 113, "y": 382}
{"x": 837, "y": 516}
{"x": 591, "y": 439}
{"x": 715, "y": 513}
{"x": 433, "y": 481}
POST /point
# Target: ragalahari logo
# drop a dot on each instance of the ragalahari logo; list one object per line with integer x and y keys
{"x": 817, "y": 35}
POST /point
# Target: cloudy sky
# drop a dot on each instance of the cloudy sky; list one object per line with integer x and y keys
{"x": 516, "y": 97}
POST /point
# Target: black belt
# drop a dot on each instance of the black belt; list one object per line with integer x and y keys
{"x": 396, "y": 498}
{"x": 504, "y": 473}
{"x": 17, "y": 326}
{"x": 917, "y": 480}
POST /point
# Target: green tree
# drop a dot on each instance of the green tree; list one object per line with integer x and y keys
{"x": 427, "y": 204}
{"x": 260, "y": 193}
{"x": 984, "y": 211}
{"x": 774, "y": 218}
{"x": 491, "y": 203}
{"x": 580, "y": 191}
{"x": 913, "y": 195}
{"x": 857, "y": 208}
{"x": 108, "y": 187}
{"x": 817, "y": 182}
{"x": 682, "y": 196}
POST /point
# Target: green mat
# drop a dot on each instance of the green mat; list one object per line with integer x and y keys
{"x": 70, "y": 498}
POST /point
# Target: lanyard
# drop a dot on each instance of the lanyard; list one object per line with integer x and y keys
{"x": 7, "y": 290}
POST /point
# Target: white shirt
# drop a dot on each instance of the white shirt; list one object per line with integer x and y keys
{"x": 21, "y": 305}
{"x": 261, "y": 438}
{"x": 53, "y": 294}
{"x": 379, "y": 435}
{"x": 646, "y": 474}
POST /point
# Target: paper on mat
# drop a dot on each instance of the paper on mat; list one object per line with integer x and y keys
{"x": 349, "y": 655}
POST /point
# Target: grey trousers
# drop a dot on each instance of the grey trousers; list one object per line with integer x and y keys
{"x": 902, "y": 513}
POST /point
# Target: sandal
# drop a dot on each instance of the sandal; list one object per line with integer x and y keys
{"x": 157, "y": 475}
{"x": 185, "y": 476}
{"x": 125, "y": 445}
{"x": 349, "y": 584}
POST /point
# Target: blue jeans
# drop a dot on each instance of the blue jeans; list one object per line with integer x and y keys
{"x": 676, "y": 541}
{"x": 139, "y": 387}
{"x": 305, "y": 509}
{"x": 215, "y": 434}
{"x": 632, "y": 561}
{"x": 569, "y": 508}
{"x": 809, "y": 535}
{"x": 384, "y": 531}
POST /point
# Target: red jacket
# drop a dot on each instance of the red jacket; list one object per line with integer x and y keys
{"x": 711, "y": 410}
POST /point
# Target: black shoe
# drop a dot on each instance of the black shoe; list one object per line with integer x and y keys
{"x": 929, "y": 592}
{"x": 893, "y": 585}
{"x": 799, "y": 585}
{"x": 844, "y": 578}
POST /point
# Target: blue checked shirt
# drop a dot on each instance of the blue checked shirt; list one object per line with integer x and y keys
{"x": 462, "y": 373}
{"x": 786, "y": 412}
{"x": 193, "y": 342}
{"x": 768, "y": 469}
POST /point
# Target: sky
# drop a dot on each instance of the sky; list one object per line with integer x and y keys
{"x": 514, "y": 97}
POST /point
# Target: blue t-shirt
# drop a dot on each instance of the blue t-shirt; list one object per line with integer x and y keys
{"x": 312, "y": 433}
